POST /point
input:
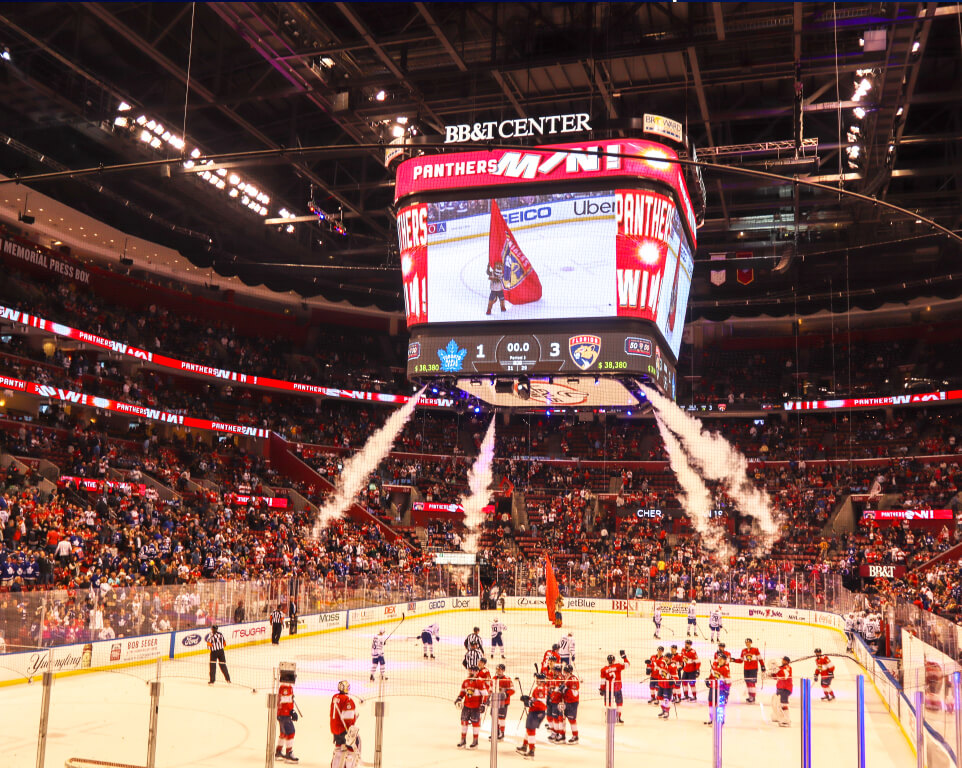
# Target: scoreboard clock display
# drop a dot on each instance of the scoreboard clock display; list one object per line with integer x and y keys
{"x": 438, "y": 352}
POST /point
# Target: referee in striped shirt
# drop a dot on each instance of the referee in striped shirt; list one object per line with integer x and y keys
{"x": 216, "y": 644}
{"x": 277, "y": 624}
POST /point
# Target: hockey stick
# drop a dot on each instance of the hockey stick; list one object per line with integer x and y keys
{"x": 525, "y": 708}
{"x": 403, "y": 617}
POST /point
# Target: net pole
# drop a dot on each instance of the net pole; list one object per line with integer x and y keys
{"x": 860, "y": 715}
{"x": 611, "y": 717}
{"x": 495, "y": 707}
{"x": 716, "y": 728}
{"x": 271, "y": 721}
{"x": 806, "y": 723}
{"x": 957, "y": 710}
{"x": 920, "y": 728}
{"x": 378, "y": 731}
{"x": 154, "y": 712}
{"x": 45, "y": 711}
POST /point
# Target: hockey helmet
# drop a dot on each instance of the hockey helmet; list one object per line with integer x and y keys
{"x": 344, "y": 687}
{"x": 611, "y": 658}
{"x": 786, "y": 660}
{"x": 473, "y": 668}
{"x": 482, "y": 660}
{"x": 688, "y": 642}
{"x": 539, "y": 676}
{"x": 721, "y": 645}
{"x": 501, "y": 667}
{"x": 569, "y": 669}
{"x": 555, "y": 647}
{"x": 660, "y": 649}
{"x": 381, "y": 631}
{"x": 748, "y": 641}
{"x": 721, "y": 655}
{"x": 818, "y": 651}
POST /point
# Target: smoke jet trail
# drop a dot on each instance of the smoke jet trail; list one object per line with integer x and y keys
{"x": 358, "y": 468}
{"x": 696, "y": 496}
{"x": 479, "y": 480}
{"x": 716, "y": 459}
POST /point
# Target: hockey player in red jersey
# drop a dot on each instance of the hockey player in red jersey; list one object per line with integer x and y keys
{"x": 653, "y": 668}
{"x": 537, "y": 704}
{"x": 611, "y": 679}
{"x": 286, "y": 716}
{"x": 825, "y": 669}
{"x": 483, "y": 672}
{"x": 667, "y": 677}
{"x": 783, "y": 690}
{"x": 572, "y": 696}
{"x": 551, "y": 657}
{"x": 555, "y": 719}
{"x": 501, "y": 683}
{"x": 719, "y": 684}
{"x": 690, "y": 671}
{"x": 752, "y": 659}
{"x": 473, "y": 694}
{"x": 347, "y": 742}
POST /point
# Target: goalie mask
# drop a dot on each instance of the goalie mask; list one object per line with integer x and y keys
{"x": 344, "y": 687}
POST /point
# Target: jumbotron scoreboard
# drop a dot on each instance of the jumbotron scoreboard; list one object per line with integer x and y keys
{"x": 561, "y": 268}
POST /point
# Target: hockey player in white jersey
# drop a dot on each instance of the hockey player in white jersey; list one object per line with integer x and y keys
{"x": 656, "y": 620}
{"x": 849, "y": 631}
{"x": 430, "y": 635}
{"x": 692, "y": 619}
{"x": 377, "y": 654}
{"x": 498, "y": 628}
{"x": 715, "y": 623}
{"x": 566, "y": 649}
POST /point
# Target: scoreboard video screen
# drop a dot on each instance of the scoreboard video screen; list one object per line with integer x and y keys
{"x": 560, "y": 260}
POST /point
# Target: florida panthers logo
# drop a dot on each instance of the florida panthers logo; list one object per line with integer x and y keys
{"x": 584, "y": 350}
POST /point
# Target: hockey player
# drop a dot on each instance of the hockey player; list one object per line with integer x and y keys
{"x": 497, "y": 640}
{"x": 850, "y": 630}
{"x": 825, "y": 669}
{"x": 783, "y": 690}
{"x": 666, "y": 687}
{"x": 555, "y": 718}
{"x": 611, "y": 676}
{"x": 653, "y": 668}
{"x": 751, "y": 658}
{"x": 347, "y": 741}
{"x": 286, "y": 716}
{"x": 675, "y": 664}
{"x": 719, "y": 684}
{"x": 550, "y": 658}
{"x": 692, "y": 619}
{"x": 715, "y": 623}
{"x": 537, "y": 704}
{"x": 377, "y": 654}
{"x": 572, "y": 697}
{"x": 484, "y": 673}
{"x": 473, "y": 693}
{"x": 721, "y": 649}
{"x": 656, "y": 620}
{"x": 566, "y": 649}
{"x": 872, "y": 630}
{"x": 430, "y": 635}
{"x": 690, "y": 671}
{"x": 501, "y": 683}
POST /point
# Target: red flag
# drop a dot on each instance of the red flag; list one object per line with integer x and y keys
{"x": 551, "y": 592}
{"x": 521, "y": 283}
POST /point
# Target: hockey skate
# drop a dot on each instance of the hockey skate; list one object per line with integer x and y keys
{"x": 425, "y": 655}
{"x": 522, "y": 750}
{"x": 289, "y": 756}
{"x": 620, "y": 721}
{"x": 474, "y": 744}
{"x": 463, "y": 742}
{"x": 278, "y": 753}
{"x": 573, "y": 740}
{"x": 663, "y": 715}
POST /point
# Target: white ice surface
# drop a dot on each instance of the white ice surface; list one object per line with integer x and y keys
{"x": 104, "y": 715}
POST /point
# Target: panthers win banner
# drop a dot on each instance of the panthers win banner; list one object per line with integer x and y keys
{"x": 521, "y": 283}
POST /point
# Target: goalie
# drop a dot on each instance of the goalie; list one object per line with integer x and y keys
{"x": 286, "y": 714}
{"x": 347, "y": 741}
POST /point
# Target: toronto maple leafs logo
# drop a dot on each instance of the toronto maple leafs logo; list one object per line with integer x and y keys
{"x": 452, "y": 357}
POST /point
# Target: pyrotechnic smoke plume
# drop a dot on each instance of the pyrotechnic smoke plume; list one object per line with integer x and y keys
{"x": 716, "y": 459}
{"x": 358, "y": 468}
{"x": 479, "y": 480}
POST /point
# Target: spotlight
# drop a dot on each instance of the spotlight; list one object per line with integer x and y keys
{"x": 234, "y": 179}
{"x": 915, "y": 47}
{"x": 397, "y": 131}
{"x": 233, "y": 193}
{"x": 142, "y": 120}
{"x": 859, "y": 112}
{"x": 195, "y": 153}
{"x": 120, "y": 122}
{"x": 402, "y": 120}
{"x": 5, "y": 54}
{"x": 327, "y": 61}
{"x": 380, "y": 96}
{"x": 289, "y": 229}
{"x": 124, "y": 107}
{"x": 145, "y": 137}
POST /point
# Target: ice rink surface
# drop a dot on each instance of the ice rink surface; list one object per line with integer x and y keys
{"x": 104, "y": 715}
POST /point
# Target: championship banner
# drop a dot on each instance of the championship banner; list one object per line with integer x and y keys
{"x": 17, "y": 317}
{"x": 521, "y": 283}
